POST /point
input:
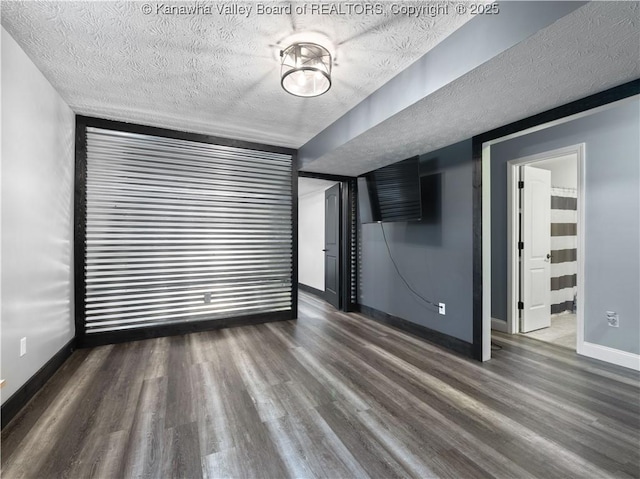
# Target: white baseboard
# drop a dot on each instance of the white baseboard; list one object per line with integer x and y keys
{"x": 499, "y": 325}
{"x": 610, "y": 355}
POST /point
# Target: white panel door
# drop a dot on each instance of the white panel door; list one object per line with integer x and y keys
{"x": 536, "y": 255}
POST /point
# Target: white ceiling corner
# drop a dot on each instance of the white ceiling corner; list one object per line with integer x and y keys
{"x": 307, "y": 186}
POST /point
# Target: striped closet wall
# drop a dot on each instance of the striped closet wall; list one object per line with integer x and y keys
{"x": 564, "y": 243}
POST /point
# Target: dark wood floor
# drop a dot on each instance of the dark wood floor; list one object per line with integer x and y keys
{"x": 331, "y": 395}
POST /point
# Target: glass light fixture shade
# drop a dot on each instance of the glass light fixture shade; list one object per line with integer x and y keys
{"x": 305, "y": 69}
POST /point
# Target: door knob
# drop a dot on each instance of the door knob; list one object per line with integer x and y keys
{"x": 325, "y": 250}
{"x": 548, "y": 255}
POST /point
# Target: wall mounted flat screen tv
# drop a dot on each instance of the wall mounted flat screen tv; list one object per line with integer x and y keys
{"x": 391, "y": 193}
{"x": 367, "y": 205}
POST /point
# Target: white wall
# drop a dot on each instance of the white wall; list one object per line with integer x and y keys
{"x": 37, "y": 213}
{"x": 311, "y": 231}
{"x": 612, "y": 219}
{"x": 564, "y": 171}
{"x": 311, "y": 239}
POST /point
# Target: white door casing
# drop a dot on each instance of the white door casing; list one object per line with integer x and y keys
{"x": 536, "y": 254}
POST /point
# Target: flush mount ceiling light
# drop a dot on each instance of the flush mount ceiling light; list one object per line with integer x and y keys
{"x": 305, "y": 69}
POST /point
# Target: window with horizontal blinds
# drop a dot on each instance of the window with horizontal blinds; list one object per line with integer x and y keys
{"x": 181, "y": 231}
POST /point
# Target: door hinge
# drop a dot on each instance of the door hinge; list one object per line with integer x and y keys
{"x": 520, "y": 245}
{"x": 520, "y": 305}
{"x": 520, "y": 184}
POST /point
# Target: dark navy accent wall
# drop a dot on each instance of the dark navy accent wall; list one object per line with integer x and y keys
{"x": 434, "y": 256}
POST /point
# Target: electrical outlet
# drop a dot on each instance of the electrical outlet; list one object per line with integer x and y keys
{"x": 23, "y": 347}
{"x": 441, "y": 309}
{"x": 207, "y": 297}
{"x": 612, "y": 319}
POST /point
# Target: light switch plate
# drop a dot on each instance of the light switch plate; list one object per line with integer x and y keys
{"x": 441, "y": 309}
{"x": 23, "y": 346}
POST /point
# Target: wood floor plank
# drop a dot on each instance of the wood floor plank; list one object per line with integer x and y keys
{"x": 329, "y": 395}
{"x": 370, "y": 453}
{"x": 180, "y": 407}
{"x": 181, "y": 452}
{"x": 145, "y": 440}
{"x": 311, "y": 448}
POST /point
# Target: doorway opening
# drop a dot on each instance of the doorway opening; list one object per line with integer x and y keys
{"x": 579, "y": 121}
{"x": 544, "y": 253}
{"x": 326, "y": 238}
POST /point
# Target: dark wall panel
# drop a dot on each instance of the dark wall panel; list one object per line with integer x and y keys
{"x": 433, "y": 255}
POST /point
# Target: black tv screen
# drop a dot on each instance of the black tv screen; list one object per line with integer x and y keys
{"x": 391, "y": 193}
{"x": 367, "y": 202}
{"x": 431, "y": 192}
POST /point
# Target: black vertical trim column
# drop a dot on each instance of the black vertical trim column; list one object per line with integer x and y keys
{"x": 79, "y": 226}
{"x": 347, "y": 240}
{"x": 620, "y": 92}
{"x": 294, "y": 232}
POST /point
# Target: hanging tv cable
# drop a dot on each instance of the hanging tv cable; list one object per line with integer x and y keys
{"x": 431, "y": 303}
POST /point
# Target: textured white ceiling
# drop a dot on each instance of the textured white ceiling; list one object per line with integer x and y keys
{"x": 211, "y": 73}
{"x": 590, "y": 50}
{"x": 306, "y": 186}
